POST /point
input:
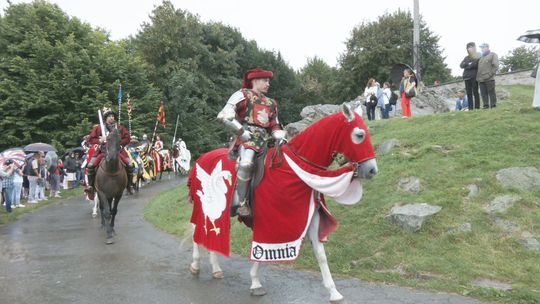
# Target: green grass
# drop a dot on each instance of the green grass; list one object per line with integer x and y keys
{"x": 17, "y": 212}
{"x": 475, "y": 146}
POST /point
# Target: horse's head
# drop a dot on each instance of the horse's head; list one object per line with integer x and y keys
{"x": 113, "y": 144}
{"x": 344, "y": 133}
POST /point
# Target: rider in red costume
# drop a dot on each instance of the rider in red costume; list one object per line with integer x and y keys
{"x": 96, "y": 138}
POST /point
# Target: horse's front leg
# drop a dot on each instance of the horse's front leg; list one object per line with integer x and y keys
{"x": 256, "y": 288}
{"x": 194, "y": 267}
{"x": 217, "y": 273}
{"x": 95, "y": 208}
{"x": 114, "y": 211}
{"x": 320, "y": 254}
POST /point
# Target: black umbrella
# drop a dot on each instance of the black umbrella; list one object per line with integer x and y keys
{"x": 532, "y": 36}
{"x": 396, "y": 74}
{"x": 37, "y": 147}
{"x": 79, "y": 150}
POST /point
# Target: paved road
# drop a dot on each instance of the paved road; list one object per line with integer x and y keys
{"x": 57, "y": 255}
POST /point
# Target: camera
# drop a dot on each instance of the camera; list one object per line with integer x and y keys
{"x": 8, "y": 162}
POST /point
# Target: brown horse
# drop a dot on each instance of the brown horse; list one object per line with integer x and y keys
{"x": 111, "y": 180}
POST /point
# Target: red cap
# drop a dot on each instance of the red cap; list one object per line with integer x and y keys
{"x": 253, "y": 74}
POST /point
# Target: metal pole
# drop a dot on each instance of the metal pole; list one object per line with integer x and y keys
{"x": 175, "y": 128}
{"x": 416, "y": 40}
{"x": 119, "y": 100}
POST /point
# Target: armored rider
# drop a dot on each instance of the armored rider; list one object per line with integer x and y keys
{"x": 252, "y": 117}
{"x": 96, "y": 138}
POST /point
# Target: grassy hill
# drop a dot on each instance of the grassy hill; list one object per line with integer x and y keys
{"x": 447, "y": 152}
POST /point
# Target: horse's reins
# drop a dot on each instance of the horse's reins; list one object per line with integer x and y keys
{"x": 355, "y": 165}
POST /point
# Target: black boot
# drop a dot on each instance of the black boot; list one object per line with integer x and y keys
{"x": 129, "y": 171}
{"x": 91, "y": 174}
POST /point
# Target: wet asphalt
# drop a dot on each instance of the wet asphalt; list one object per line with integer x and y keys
{"x": 57, "y": 254}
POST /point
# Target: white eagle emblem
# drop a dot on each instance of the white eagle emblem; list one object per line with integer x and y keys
{"x": 262, "y": 116}
{"x": 212, "y": 193}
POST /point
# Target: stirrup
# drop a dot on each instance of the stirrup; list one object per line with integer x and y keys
{"x": 243, "y": 210}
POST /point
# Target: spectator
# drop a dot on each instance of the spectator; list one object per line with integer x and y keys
{"x": 470, "y": 69}
{"x": 71, "y": 168}
{"x": 78, "y": 170}
{"x": 437, "y": 83}
{"x": 462, "y": 103}
{"x": 536, "y": 99}
{"x": 487, "y": 68}
{"x": 407, "y": 89}
{"x": 42, "y": 181}
{"x": 55, "y": 179}
{"x": 387, "y": 93}
{"x": 380, "y": 102}
{"x": 17, "y": 188}
{"x": 33, "y": 176}
{"x": 6, "y": 172}
{"x": 371, "y": 98}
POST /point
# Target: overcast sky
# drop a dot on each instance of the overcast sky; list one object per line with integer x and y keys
{"x": 301, "y": 29}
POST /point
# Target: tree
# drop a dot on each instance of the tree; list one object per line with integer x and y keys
{"x": 55, "y": 72}
{"x": 520, "y": 58}
{"x": 374, "y": 47}
{"x": 198, "y": 66}
{"x": 317, "y": 83}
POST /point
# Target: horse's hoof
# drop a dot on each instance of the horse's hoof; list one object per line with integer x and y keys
{"x": 94, "y": 215}
{"x": 340, "y": 301}
{"x": 194, "y": 271}
{"x": 218, "y": 275}
{"x": 109, "y": 241}
{"x": 258, "y": 292}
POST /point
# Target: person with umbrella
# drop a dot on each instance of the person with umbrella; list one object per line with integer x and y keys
{"x": 34, "y": 175}
{"x": 533, "y": 36}
{"x": 536, "y": 98}
{"x": 6, "y": 173}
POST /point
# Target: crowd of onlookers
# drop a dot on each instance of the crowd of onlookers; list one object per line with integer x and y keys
{"x": 479, "y": 69}
{"x": 29, "y": 182}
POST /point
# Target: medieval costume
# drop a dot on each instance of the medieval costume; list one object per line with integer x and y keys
{"x": 95, "y": 139}
{"x": 252, "y": 117}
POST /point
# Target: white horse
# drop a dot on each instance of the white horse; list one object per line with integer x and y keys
{"x": 309, "y": 167}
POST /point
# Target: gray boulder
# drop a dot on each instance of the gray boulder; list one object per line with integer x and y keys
{"x": 506, "y": 225}
{"x": 409, "y": 184}
{"x": 485, "y": 283}
{"x": 502, "y": 203}
{"x": 386, "y": 146}
{"x": 523, "y": 178}
{"x": 473, "y": 190}
{"x": 411, "y": 216}
{"x": 465, "y": 227}
{"x": 528, "y": 240}
{"x": 311, "y": 114}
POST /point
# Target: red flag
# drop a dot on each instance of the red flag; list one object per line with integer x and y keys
{"x": 161, "y": 114}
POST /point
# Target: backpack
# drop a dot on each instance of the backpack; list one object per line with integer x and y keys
{"x": 27, "y": 166}
{"x": 393, "y": 99}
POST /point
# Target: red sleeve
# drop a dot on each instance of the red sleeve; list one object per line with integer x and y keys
{"x": 94, "y": 135}
{"x": 124, "y": 136}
